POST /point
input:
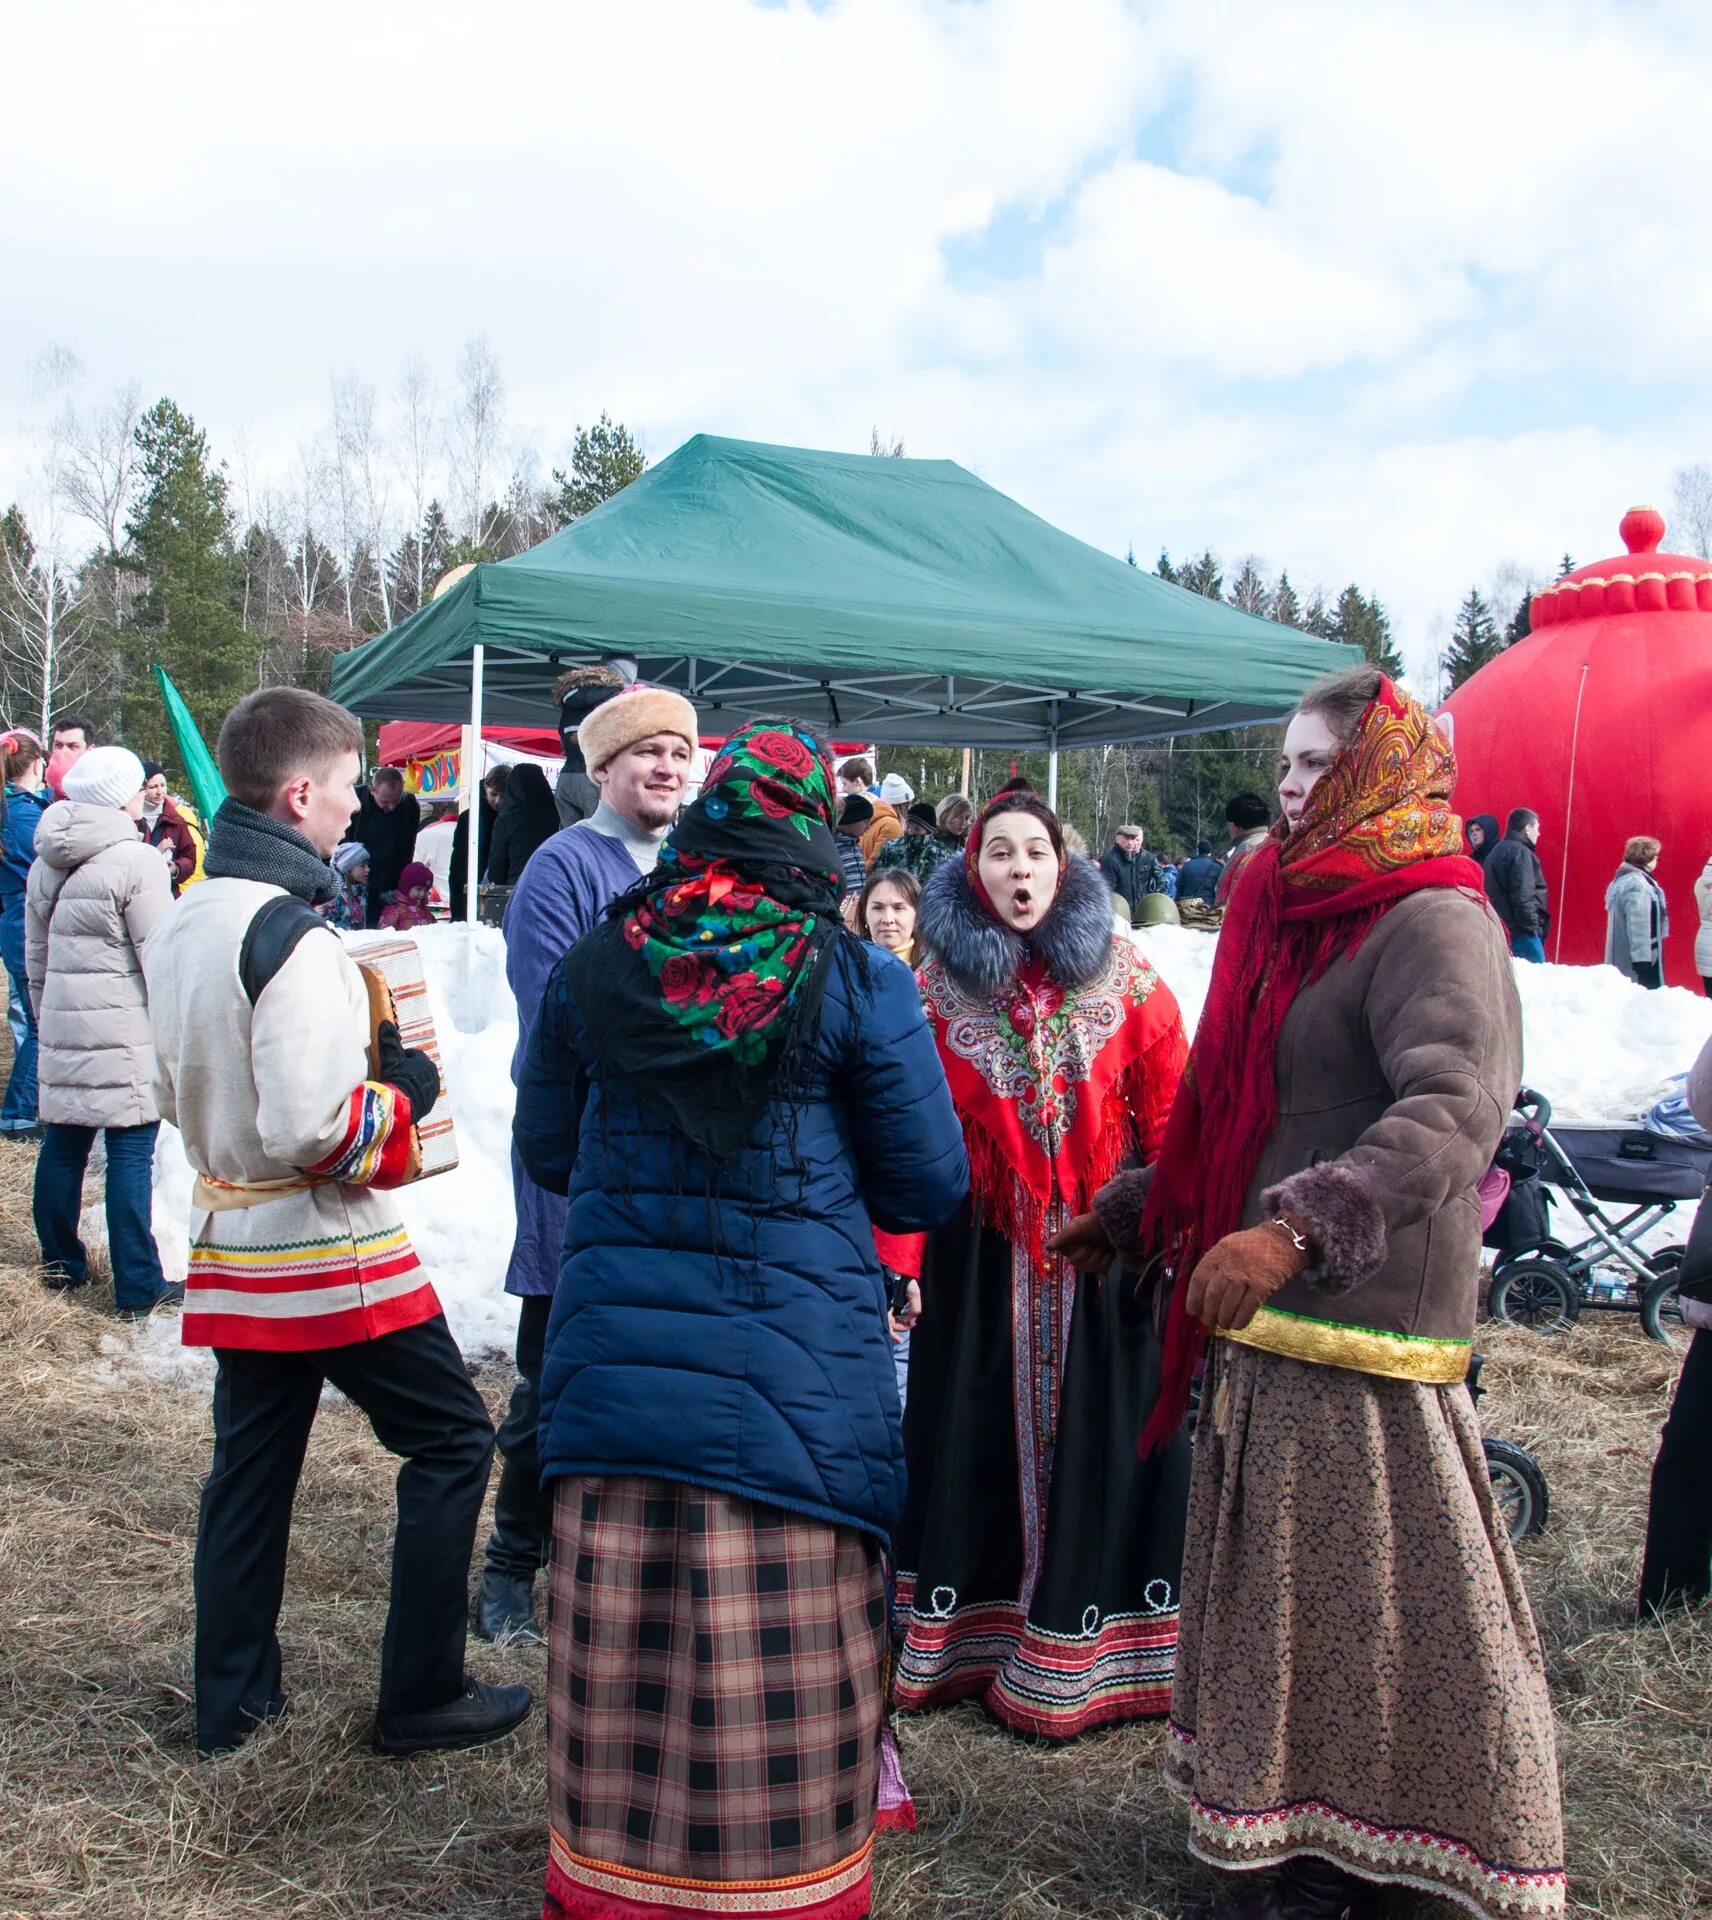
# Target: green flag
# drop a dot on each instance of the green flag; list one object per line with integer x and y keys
{"x": 206, "y": 787}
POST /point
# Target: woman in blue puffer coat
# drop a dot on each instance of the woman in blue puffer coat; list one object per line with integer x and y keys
{"x": 734, "y": 1092}
{"x": 25, "y": 802}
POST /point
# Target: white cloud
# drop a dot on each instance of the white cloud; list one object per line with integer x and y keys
{"x": 1300, "y": 253}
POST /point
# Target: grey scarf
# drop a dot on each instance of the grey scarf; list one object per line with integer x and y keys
{"x": 247, "y": 845}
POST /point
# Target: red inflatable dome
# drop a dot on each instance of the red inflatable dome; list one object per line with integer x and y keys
{"x": 1601, "y": 721}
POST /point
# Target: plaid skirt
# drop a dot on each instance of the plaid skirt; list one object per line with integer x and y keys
{"x": 713, "y": 1704}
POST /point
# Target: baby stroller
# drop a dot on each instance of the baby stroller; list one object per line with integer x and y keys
{"x": 1546, "y": 1283}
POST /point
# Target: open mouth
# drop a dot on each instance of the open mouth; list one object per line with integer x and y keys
{"x": 1022, "y": 899}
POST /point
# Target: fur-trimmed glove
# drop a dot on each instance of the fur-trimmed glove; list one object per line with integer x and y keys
{"x": 1235, "y": 1278}
{"x": 408, "y": 1069}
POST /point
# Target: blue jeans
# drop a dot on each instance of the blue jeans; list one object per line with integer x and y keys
{"x": 19, "y": 1111}
{"x": 1528, "y": 946}
{"x": 137, "y": 1278}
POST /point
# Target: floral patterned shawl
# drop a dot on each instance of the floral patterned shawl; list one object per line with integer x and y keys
{"x": 702, "y": 978}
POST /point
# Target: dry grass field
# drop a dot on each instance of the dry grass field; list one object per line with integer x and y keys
{"x": 106, "y": 1816}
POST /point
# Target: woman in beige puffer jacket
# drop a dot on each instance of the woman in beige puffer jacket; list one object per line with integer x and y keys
{"x": 95, "y": 894}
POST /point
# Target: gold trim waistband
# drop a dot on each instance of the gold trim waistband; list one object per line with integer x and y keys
{"x": 1330, "y": 1343}
{"x": 230, "y": 1196}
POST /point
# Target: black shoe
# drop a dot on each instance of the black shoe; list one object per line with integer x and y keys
{"x": 505, "y": 1608}
{"x": 171, "y": 1295}
{"x": 1314, "y": 1889}
{"x": 479, "y": 1714}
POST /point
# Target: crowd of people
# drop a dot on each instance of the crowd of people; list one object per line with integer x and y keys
{"x": 908, "y": 1313}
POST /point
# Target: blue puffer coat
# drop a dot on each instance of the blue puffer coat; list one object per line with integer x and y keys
{"x": 17, "y": 850}
{"x": 729, "y": 1329}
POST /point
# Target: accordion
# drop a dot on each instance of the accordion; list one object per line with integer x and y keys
{"x": 398, "y": 991}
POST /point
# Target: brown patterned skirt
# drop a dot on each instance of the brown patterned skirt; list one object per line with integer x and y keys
{"x": 713, "y": 1706}
{"x": 1358, "y": 1675}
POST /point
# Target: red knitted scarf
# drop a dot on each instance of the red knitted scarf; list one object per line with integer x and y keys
{"x": 1377, "y": 827}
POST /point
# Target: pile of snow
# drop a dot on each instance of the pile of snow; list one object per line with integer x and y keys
{"x": 1599, "y": 1047}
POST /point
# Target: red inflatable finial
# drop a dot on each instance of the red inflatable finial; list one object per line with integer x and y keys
{"x": 1642, "y": 529}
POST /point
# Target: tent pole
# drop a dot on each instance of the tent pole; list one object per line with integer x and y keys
{"x": 1052, "y": 768}
{"x": 472, "y": 781}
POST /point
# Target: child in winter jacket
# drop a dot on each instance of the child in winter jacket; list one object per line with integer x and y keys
{"x": 408, "y": 908}
{"x": 349, "y": 910}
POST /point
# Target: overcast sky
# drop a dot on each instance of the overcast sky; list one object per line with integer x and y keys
{"x": 1368, "y": 288}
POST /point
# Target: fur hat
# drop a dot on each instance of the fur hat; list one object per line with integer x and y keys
{"x": 104, "y": 777}
{"x": 631, "y": 715}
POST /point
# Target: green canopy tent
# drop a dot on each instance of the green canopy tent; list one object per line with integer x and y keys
{"x": 903, "y": 601}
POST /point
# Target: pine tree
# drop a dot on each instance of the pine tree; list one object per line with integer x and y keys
{"x": 1360, "y": 622}
{"x": 1521, "y": 621}
{"x": 1318, "y": 618}
{"x": 1285, "y": 608}
{"x": 1565, "y": 566}
{"x": 1130, "y": 556}
{"x": 1248, "y": 590}
{"x": 1473, "y": 642}
{"x": 604, "y": 461}
{"x": 1165, "y": 570}
{"x": 1204, "y": 576}
{"x": 188, "y": 618}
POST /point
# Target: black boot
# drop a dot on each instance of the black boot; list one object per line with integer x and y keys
{"x": 1310, "y": 1888}
{"x": 479, "y": 1714}
{"x": 505, "y": 1608}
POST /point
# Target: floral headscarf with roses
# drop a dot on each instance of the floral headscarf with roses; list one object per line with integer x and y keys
{"x": 701, "y": 980}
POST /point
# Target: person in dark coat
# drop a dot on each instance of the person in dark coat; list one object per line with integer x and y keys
{"x": 1130, "y": 870}
{"x": 1516, "y": 885}
{"x": 1484, "y": 833}
{"x": 162, "y": 825}
{"x": 1199, "y": 878}
{"x": 576, "y": 694}
{"x": 26, "y": 800}
{"x": 527, "y": 819}
{"x": 490, "y": 798}
{"x": 385, "y": 822}
{"x": 855, "y": 817}
{"x": 734, "y": 1092}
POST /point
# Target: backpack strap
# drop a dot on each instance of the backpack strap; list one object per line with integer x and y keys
{"x": 271, "y": 939}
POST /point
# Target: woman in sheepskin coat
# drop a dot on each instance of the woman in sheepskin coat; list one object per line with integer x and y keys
{"x": 1360, "y": 1694}
{"x": 1038, "y": 1557}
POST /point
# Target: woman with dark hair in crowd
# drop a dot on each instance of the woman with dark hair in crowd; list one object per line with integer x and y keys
{"x": 490, "y": 797}
{"x": 528, "y": 817}
{"x": 1038, "y": 1558}
{"x": 1360, "y": 1694}
{"x": 732, "y": 1090}
{"x": 886, "y": 911}
{"x": 25, "y": 800}
{"x": 163, "y": 826}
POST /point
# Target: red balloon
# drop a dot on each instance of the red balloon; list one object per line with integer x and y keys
{"x": 1601, "y": 722}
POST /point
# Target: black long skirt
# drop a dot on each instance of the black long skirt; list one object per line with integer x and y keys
{"x": 1039, "y": 1557}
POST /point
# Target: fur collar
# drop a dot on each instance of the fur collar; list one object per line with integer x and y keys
{"x": 984, "y": 957}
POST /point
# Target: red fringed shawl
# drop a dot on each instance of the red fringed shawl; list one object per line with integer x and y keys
{"x": 1056, "y": 1086}
{"x": 1377, "y": 827}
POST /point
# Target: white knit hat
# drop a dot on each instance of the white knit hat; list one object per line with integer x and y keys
{"x": 630, "y": 716}
{"x": 103, "y": 777}
{"x": 896, "y": 791}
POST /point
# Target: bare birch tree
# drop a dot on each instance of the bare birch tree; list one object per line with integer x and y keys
{"x": 416, "y": 440}
{"x": 474, "y": 435}
{"x": 1691, "y": 511}
{"x": 101, "y": 463}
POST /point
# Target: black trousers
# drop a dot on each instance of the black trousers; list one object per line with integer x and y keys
{"x": 1678, "y": 1561}
{"x": 422, "y": 1405}
{"x": 1649, "y": 973}
{"x": 522, "y": 1513}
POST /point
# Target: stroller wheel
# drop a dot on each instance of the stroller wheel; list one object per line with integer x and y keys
{"x": 1661, "y": 1311}
{"x": 1536, "y": 1294}
{"x": 1518, "y": 1487}
{"x": 1667, "y": 1260}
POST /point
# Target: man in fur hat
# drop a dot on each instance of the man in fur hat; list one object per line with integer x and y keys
{"x": 639, "y": 749}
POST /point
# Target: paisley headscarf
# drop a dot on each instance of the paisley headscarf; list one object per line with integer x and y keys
{"x": 702, "y": 978}
{"x": 1377, "y": 826}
